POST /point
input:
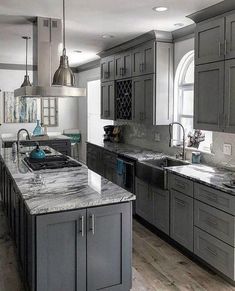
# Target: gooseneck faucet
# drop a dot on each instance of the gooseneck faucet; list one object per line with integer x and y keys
{"x": 18, "y": 137}
{"x": 170, "y": 133}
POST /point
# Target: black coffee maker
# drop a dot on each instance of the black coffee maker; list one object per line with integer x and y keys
{"x": 108, "y": 135}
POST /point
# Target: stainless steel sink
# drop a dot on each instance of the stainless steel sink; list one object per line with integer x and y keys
{"x": 154, "y": 171}
{"x": 166, "y": 162}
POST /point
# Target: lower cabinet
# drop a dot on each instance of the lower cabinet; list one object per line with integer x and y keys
{"x": 152, "y": 204}
{"x": 161, "y": 204}
{"x": 87, "y": 249}
{"x": 181, "y": 224}
{"x": 144, "y": 200}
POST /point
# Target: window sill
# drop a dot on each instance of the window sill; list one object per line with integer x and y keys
{"x": 195, "y": 150}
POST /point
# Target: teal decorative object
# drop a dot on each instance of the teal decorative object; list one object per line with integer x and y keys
{"x": 38, "y": 129}
{"x": 37, "y": 153}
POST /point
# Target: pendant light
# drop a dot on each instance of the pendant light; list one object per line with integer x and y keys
{"x": 64, "y": 75}
{"x": 26, "y": 77}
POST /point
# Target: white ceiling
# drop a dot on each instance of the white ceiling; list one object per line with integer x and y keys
{"x": 88, "y": 20}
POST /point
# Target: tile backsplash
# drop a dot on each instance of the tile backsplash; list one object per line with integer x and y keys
{"x": 146, "y": 136}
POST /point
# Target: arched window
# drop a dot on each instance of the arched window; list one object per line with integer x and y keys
{"x": 184, "y": 100}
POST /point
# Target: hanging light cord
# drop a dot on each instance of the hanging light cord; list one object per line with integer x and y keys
{"x": 26, "y": 56}
{"x": 64, "y": 49}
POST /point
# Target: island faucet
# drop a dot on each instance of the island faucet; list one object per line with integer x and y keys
{"x": 170, "y": 133}
{"x": 18, "y": 137}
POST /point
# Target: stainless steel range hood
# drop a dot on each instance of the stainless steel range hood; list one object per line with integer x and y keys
{"x": 47, "y": 41}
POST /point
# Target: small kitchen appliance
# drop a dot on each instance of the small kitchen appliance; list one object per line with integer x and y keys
{"x": 112, "y": 133}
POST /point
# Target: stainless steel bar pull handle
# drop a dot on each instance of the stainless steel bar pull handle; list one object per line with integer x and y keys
{"x": 82, "y": 225}
{"x": 92, "y": 217}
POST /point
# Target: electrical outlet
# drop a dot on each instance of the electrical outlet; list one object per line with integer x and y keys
{"x": 157, "y": 136}
{"x": 227, "y": 149}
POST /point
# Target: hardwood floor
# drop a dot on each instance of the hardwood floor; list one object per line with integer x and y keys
{"x": 157, "y": 266}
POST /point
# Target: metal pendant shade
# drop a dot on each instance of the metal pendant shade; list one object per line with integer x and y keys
{"x": 26, "y": 77}
{"x": 64, "y": 75}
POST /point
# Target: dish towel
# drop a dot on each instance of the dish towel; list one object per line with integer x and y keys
{"x": 120, "y": 167}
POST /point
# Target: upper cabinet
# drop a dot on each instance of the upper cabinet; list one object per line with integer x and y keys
{"x": 123, "y": 65}
{"x": 209, "y": 42}
{"x": 214, "y": 95}
{"x": 141, "y": 76}
{"x": 143, "y": 59}
{"x": 107, "y": 69}
{"x": 230, "y": 37}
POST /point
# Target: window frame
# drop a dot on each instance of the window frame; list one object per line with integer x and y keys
{"x": 49, "y": 108}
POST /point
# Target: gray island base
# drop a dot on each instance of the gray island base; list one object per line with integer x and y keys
{"x": 72, "y": 232}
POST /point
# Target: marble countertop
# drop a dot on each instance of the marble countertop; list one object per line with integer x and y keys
{"x": 129, "y": 151}
{"x": 23, "y": 138}
{"x": 210, "y": 176}
{"x": 49, "y": 191}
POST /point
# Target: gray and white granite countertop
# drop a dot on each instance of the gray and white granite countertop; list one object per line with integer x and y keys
{"x": 23, "y": 138}
{"x": 49, "y": 191}
{"x": 130, "y": 151}
{"x": 210, "y": 176}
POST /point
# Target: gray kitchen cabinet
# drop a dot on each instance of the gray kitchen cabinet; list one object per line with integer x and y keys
{"x": 161, "y": 203}
{"x": 109, "y": 248}
{"x": 209, "y": 41}
{"x": 61, "y": 251}
{"x": 208, "y": 97}
{"x": 229, "y": 100}
{"x": 110, "y": 166}
{"x": 94, "y": 159}
{"x": 144, "y": 200}
{"x": 143, "y": 59}
{"x": 107, "y": 101}
{"x": 181, "y": 219}
{"x": 143, "y": 99}
{"x": 107, "y": 69}
{"x": 123, "y": 65}
{"x": 215, "y": 252}
{"x": 230, "y": 37}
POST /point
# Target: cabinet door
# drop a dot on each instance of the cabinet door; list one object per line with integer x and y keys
{"x": 143, "y": 96}
{"x": 126, "y": 56}
{"x": 230, "y": 37}
{"x": 107, "y": 100}
{"x": 109, "y": 246}
{"x": 229, "y": 98}
{"x": 95, "y": 158}
{"x": 149, "y": 60}
{"x": 209, "y": 41}
{"x": 144, "y": 200}
{"x": 61, "y": 237}
{"x": 137, "y": 61}
{"x": 161, "y": 202}
{"x": 110, "y": 165}
{"x": 118, "y": 67}
{"x": 181, "y": 224}
{"x": 107, "y": 69}
{"x": 209, "y": 96}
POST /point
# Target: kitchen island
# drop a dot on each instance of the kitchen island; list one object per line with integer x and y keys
{"x": 72, "y": 227}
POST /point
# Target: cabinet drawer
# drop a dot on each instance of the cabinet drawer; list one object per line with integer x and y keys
{"x": 215, "y": 252}
{"x": 216, "y": 198}
{"x": 181, "y": 184}
{"x": 214, "y": 221}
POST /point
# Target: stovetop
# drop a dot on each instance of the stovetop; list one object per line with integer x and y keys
{"x": 51, "y": 162}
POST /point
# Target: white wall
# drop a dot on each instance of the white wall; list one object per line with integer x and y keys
{"x": 82, "y": 79}
{"x": 67, "y": 107}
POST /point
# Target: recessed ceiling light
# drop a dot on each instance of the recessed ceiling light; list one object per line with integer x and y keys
{"x": 78, "y": 51}
{"x": 179, "y": 24}
{"x": 105, "y": 36}
{"x": 160, "y": 9}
